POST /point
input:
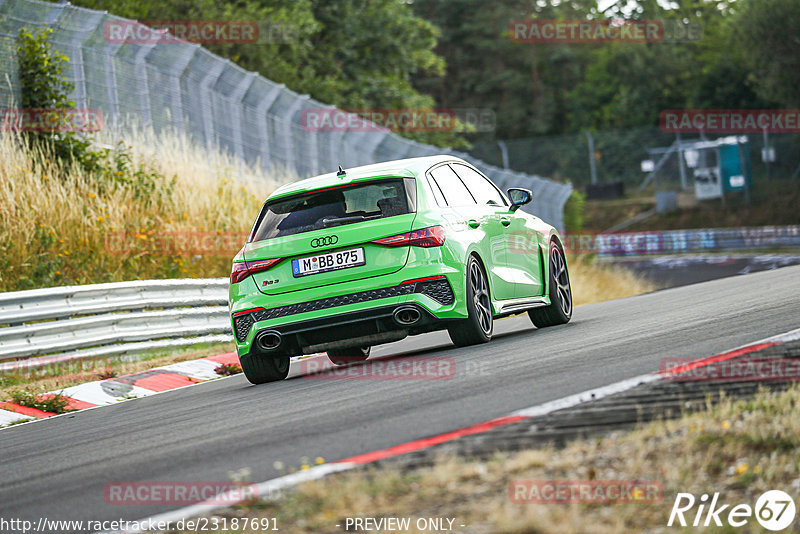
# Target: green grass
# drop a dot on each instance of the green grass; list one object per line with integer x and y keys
{"x": 57, "y": 403}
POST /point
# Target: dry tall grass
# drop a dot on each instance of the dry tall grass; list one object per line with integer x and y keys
{"x": 54, "y": 219}
{"x": 594, "y": 281}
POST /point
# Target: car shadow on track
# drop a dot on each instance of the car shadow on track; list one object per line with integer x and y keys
{"x": 398, "y": 357}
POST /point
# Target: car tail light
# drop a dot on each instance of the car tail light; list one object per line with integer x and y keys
{"x": 244, "y": 269}
{"x": 433, "y": 236}
{"x": 239, "y": 272}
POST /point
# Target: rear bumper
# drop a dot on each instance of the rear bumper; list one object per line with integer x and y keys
{"x": 351, "y": 319}
{"x": 354, "y": 329}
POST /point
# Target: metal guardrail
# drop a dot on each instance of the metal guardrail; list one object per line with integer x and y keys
{"x": 668, "y": 242}
{"x": 42, "y": 326}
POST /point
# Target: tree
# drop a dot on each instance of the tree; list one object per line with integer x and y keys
{"x": 524, "y": 84}
{"x": 44, "y": 87}
{"x": 628, "y": 85}
{"x": 767, "y": 32}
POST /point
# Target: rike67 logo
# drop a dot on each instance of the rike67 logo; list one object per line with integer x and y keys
{"x": 774, "y": 510}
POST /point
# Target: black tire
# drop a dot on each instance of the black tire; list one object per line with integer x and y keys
{"x": 262, "y": 369}
{"x": 560, "y": 309}
{"x": 479, "y": 324}
{"x": 349, "y": 355}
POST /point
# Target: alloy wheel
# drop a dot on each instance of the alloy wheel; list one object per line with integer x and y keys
{"x": 480, "y": 296}
{"x": 563, "y": 291}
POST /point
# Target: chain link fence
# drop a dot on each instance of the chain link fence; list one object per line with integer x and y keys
{"x": 184, "y": 87}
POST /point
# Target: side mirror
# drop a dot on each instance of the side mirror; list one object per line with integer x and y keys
{"x": 519, "y": 197}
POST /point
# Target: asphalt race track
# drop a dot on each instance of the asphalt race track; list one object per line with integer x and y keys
{"x": 58, "y": 468}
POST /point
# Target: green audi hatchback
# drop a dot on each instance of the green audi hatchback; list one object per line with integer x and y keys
{"x": 351, "y": 259}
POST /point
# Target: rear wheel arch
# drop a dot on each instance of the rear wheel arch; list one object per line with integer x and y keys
{"x": 477, "y": 256}
{"x": 555, "y": 239}
{"x": 559, "y": 311}
{"x": 550, "y": 241}
{"x": 477, "y": 327}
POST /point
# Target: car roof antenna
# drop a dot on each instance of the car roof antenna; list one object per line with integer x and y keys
{"x": 341, "y": 172}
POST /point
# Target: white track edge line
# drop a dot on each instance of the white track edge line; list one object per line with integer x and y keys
{"x": 586, "y": 396}
{"x": 619, "y": 387}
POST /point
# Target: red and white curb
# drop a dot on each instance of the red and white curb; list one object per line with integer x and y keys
{"x": 115, "y": 390}
{"x": 273, "y": 487}
{"x": 146, "y": 383}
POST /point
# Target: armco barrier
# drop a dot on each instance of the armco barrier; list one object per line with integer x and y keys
{"x": 69, "y": 323}
{"x": 684, "y": 241}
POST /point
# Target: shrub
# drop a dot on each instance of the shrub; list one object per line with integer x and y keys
{"x": 573, "y": 211}
{"x": 228, "y": 369}
{"x": 56, "y": 403}
{"x": 43, "y": 86}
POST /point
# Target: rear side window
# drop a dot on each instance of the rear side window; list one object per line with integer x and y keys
{"x": 335, "y": 206}
{"x": 451, "y": 186}
{"x": 482, "y": 189}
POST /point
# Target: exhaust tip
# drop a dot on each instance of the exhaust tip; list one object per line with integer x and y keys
{"x": 406, "y": 315}
{"x": 269, "y": 340}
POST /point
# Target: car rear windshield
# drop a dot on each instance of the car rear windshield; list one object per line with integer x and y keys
{"x": 334, "y": 206}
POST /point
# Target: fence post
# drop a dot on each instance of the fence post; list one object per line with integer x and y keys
{"x": 140, "y": 64}
{"x": 592, "y": 163}
{"x": 177, "y": 96}
{"x": 262, "y": 111}
{"x": 237, "y": 122}
{"x": 109, "y": 51}
{"x": 205, "y": 94}
{"x": 288, "y": 126}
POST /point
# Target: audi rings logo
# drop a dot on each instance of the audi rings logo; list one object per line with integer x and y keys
{"x": 324, "y": 241}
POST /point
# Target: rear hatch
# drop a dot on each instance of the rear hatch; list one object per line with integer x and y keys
{"x": 325, "y": 236}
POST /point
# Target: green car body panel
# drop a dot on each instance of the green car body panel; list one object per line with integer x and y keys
{"x": 512, "y": 246}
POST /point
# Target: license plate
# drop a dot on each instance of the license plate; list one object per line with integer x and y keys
{"x": 330, "y": 261}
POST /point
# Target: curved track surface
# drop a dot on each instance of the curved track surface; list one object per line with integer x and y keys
{"x": 58, "y": 468}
